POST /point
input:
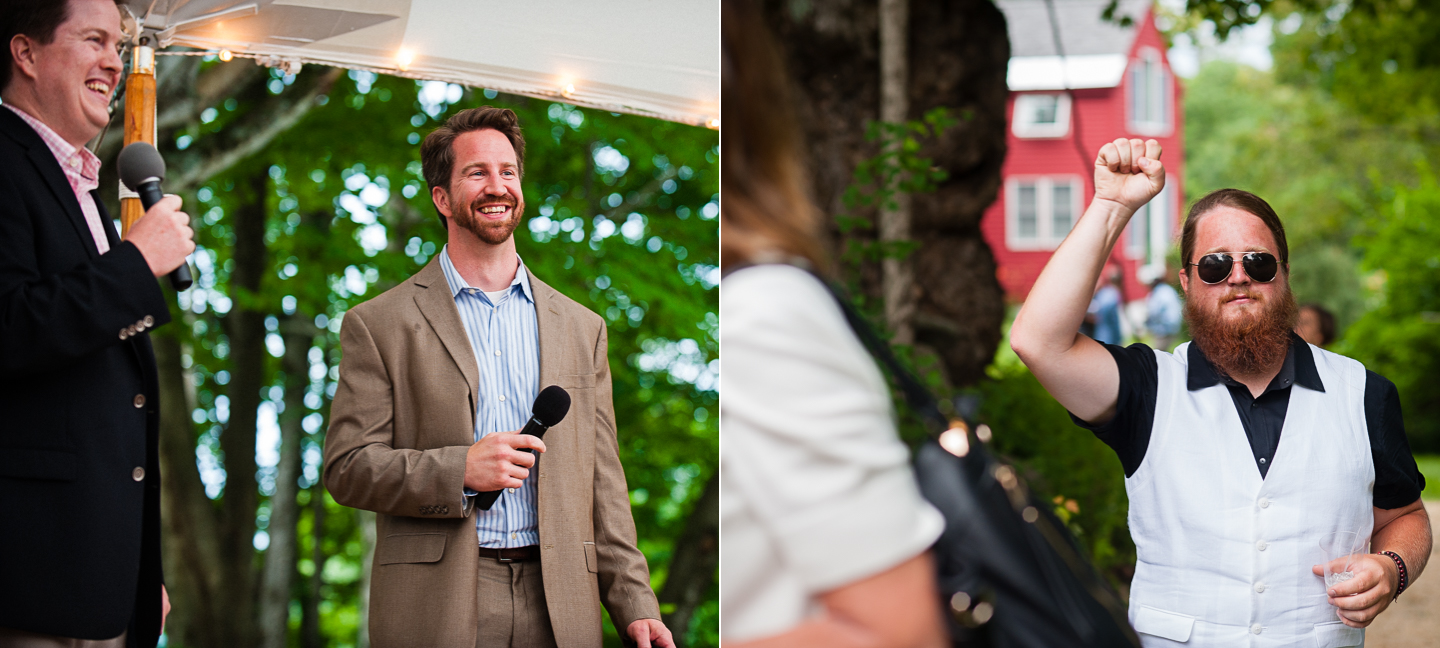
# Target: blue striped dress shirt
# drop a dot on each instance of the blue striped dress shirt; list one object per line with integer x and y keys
{"x": 505, "y": 339}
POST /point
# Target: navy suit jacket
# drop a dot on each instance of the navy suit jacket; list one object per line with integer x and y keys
{"x": 79, "y": 404}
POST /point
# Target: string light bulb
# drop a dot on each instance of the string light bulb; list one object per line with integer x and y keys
{"x": 568, "y": 91}
{"x": 713, "y": 123}
{"x": 404, "y": 59}
{"x": 226, "y": 55}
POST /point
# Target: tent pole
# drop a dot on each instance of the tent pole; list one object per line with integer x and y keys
{"x": 139, "y": 120}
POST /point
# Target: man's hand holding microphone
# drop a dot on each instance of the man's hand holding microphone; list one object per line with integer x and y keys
{"x": 498, "y": 461}
{"x": 163, "y": 236}
{"x": 503, "y": 460}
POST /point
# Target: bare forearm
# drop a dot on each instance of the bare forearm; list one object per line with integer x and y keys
{"x": 1047, "y": 324}
{"x": 1409, "y": 536}
{"x": 826, "y": 631}
{"x": 894, "y": 609}
{"x": 1076, "y": 370}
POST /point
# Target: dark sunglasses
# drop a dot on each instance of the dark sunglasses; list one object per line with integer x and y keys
{"x": 1215, "y": 268}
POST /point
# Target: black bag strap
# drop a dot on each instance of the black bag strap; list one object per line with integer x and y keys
{"x": 917, "y": 396}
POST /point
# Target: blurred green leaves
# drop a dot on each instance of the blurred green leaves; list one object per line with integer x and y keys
{"x": 1400, "y": 339}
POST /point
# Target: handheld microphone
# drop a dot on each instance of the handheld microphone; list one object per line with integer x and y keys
{"x": 142, "y": 170}
{"x": 549, "y": 409}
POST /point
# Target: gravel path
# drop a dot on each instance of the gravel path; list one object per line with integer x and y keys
{"x": 1414, "y": 620}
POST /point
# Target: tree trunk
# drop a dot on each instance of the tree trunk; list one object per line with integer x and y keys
{"x": 832, "y": 51}
{"x": 898, "y": 274}
{"x": 188, "y": 517}
{"x": 279, "y": 570}
{"x": 367, "y": 539}
{"x": 245, "y": 325}
{"x": 310, "y": 636}
{"x": 692, "y": 569}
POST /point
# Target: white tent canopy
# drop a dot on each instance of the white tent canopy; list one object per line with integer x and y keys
{"x": 658, "y": 58}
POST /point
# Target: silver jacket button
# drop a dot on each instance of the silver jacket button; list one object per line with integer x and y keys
{"x": 139, "y": 401}
{"x": 138, "y": 474}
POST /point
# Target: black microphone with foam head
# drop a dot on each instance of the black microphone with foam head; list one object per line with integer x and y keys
{"x": 549, "y": 409}
{"x": 142, "y": 170}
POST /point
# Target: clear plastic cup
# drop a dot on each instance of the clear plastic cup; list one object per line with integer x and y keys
{"x": 1342, "y": 550}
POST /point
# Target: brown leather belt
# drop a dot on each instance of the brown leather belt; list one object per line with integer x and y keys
{"x": 517, "y": 554}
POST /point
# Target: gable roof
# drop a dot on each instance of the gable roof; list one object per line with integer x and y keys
{"x": 1094, "y": 48}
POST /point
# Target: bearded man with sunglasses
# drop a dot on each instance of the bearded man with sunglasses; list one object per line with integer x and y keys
{"x": 1226, "y": 518}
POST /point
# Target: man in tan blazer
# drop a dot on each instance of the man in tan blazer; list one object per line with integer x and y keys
{"x": 437, "y": 375}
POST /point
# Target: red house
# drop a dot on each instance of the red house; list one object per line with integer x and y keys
{"x": 1111, "y": 82}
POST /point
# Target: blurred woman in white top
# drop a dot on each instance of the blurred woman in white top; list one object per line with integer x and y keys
{"x": 824, "y": 535}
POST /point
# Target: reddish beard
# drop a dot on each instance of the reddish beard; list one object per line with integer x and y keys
{"x": 492, "y": 233}
{"x": 1248, "y": 343}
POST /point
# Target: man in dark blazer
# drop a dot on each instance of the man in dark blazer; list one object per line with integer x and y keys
{"x": 79, "y": 468}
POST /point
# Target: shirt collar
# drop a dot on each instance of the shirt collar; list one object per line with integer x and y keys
{"x": 1299, "y": 368}
{"x": 457, "y": 283}
{"x": 79, "y": 161}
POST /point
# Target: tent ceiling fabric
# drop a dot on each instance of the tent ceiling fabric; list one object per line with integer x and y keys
{"x": 658, "y": 58}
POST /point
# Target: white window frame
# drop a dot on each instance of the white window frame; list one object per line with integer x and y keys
{"x": 1147, "y": 75}
{"x": 1045, "y": 236}
{"x": 1021, "y": 121}
{"x": 1137, "y": 243}
{"x": 1159, "y": 225}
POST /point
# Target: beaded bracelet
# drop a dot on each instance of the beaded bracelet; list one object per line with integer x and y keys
{"x": 1404, "y": 575}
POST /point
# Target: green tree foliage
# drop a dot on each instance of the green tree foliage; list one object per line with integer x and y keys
{"x": 1063, "y": 463}
{"x": 1378, "y": 58}
{"x": 621, "y": 215}
{"x": 1400, "y": 339}
{"x": 1226, "y": 15}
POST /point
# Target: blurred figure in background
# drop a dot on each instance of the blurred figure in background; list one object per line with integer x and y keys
{"x": 1316, "y": 325}
{"x": 1162, "y": 309}
{"x": 825, "y": 534}
{"x": 1103, "y": 315}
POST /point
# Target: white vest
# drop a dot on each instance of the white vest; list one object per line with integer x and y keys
{"x": 1224, "y": 555}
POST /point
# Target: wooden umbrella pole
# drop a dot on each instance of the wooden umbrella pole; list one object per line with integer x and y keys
{"x": 139, "y": 122}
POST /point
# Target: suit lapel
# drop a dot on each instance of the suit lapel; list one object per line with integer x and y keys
{"x": 437, "y": 305}
{"x": 54, "y": 176}
{"x": 552, "y": 331}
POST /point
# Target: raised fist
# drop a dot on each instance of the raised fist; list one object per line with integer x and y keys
{"x": 1128, "y": 171}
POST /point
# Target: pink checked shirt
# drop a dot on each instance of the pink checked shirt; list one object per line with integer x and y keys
{"x": 82, "y": 169}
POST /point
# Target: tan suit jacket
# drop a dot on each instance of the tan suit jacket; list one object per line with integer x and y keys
{"x": 402, "y": 419}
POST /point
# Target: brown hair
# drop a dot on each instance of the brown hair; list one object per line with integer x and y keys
{"x": 437, "y": 152}
{"x": 37, "y": 19}
{"x": 764, "y": 204}
{"x": 1238, "y": 199}
{"x": 1326, "y": 320}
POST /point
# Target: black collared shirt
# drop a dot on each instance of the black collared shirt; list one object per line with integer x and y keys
{"x": 1397, "y": 480}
